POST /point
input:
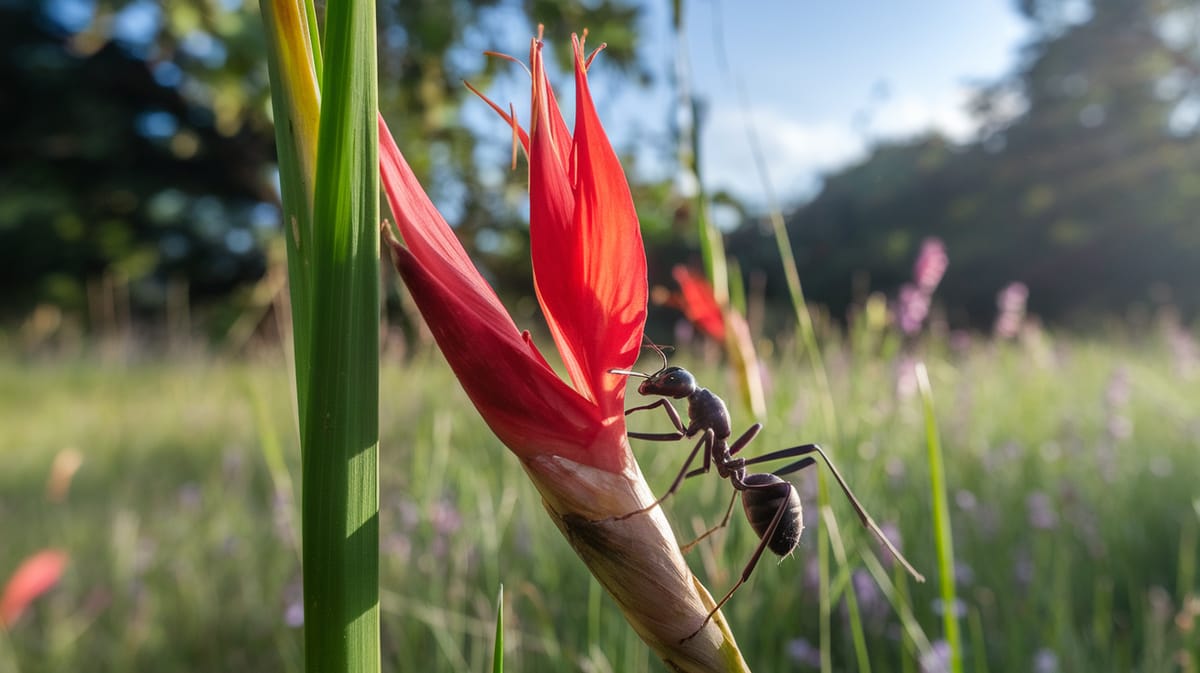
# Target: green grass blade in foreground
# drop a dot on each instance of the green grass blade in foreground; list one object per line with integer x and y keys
{"x": 340, "y": 495}
{"x": 898, "y": 598}
{"x": 295, "y": 102}
{"x": 858, "y": 637}
{"x": 498, "y": 650}
{"x": 941, "y": 521}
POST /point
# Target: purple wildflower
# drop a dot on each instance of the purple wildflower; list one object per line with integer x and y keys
{"x": 930, "y": 265}
{"x": 1042, "y": 514}
{"x": 802, "y": 652}
{"x": 1010, "y": 313}
{"x": 912, "y": 307}
{"x": 937, "y": 659}
{"x": 958, "y": 607}
{"x": 871, "y": 600}
{"x": 1045, "y": 661}
{"x": 293, "y": 604}
{"x": 915, "y": 298}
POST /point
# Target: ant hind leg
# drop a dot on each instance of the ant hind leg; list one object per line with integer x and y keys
{"x": 724, "y": 522}
{"x": 749, "y": 569}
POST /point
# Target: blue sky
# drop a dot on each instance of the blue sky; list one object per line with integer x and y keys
{"x": 821, "y": 80}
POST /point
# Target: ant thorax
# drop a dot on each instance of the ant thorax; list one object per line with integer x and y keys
{"x": 706, "y": 410}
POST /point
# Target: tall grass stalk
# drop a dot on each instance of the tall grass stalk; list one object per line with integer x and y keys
{"x": 498, "y": 649}
{"x": 812, "y": 350}
{"x": 330, "y": 184}
{"x": 856, "y": 628}
{"x": 941, "y": 521}
{"x": 897, "y": 594}
{"x": 808, "y": 340}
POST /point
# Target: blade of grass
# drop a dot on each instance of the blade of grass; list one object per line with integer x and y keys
{"x": 498, "y": 650}
{"x": 941, "y": 520}
{"x": 861, "y": 656}
{"x": 593, "y": 612}
{"x": 329, "y": 178}
{"x": 1187, "y": 560}
{"x": 340, "y": 459}
{"x": 295, "y": 101}
{"x": 808, "y": 337}
{"x": 897, "y": 595}
{"x": 272, "y": 451}
{"x": 978, "y": 642}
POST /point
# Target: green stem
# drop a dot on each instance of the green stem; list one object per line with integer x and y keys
{"x": 340, "y": 430}
{"x": 941, "y": 521}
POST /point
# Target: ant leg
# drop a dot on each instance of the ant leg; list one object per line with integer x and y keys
{"x": 793, "y": 452}
{"x": 704, "y": 443}
{"x": 724, "y": 522}
{"x": 741, "y": 442}
{"x": 866, "y": 519}
{"x": 660, "y": 436}
{"x": 736, "y": 446}
{"x": 794, "y": 467}
{"x": 758, "y": 552}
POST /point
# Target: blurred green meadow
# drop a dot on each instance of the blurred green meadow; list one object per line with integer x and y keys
{"x": 1071, "y": 465}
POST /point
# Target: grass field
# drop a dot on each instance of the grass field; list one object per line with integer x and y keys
{"x": 1073, "y": 481}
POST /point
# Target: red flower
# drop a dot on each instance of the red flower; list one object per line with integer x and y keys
{"x": 35, "y": 576}
{"x": 699, "y": 303}
{"x": 590, "y": 274}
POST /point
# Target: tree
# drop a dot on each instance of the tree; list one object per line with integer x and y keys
{"x": 1084, "y": 182}
{"x": 136, "y": 140}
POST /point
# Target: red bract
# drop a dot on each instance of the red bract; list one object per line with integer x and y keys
{"x": 35, "y": 576}
{"x": 699, "y": 303}
{"x": 589, "y": 271}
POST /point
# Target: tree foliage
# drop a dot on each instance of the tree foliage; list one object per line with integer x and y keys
{"x": 1084, "y": 182}
{"x": 136, "y": 140}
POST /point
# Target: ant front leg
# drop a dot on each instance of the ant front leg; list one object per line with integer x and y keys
{"x": 660, "y": 436}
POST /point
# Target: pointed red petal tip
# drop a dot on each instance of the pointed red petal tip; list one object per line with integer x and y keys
{"x": 588, "y": 260}
{"x": 699, "y": 302}
{"x": 35, "y": 576}
{"x": 590, "y": 277}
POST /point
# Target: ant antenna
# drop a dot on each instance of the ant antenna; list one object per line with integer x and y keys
{"x": 662, "y": 352}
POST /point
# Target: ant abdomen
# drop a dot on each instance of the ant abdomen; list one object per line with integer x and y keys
{"x": 763, "y": 503}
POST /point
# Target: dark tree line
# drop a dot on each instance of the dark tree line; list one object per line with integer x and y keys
{"x": 135, "y": 138}
{"x": 145, "y": 154}
{"x": 1084, "y": 182}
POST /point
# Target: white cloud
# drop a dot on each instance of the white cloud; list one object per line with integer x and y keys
{"x": 902, "y": 116}
{"x": 798, "y": 151}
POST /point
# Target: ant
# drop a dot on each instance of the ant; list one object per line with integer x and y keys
{"x": 772, "y": 504}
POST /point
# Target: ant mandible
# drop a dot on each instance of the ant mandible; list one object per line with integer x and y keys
{"x": 772, "y": 504}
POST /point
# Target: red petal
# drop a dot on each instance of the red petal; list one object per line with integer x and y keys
{"x": 525, "y": 403}
{"x": 522, "y": 399}
{"x": 700, "y": 303}
{"x": 426, "y": 233}
{"x": 553, "y": 244}
{"x": 549, "y": 113}
{"x": 34, "y": 577}
{"x": 589, "y": 263}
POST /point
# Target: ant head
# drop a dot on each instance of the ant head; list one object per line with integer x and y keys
{"x": 674, "y": 382}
